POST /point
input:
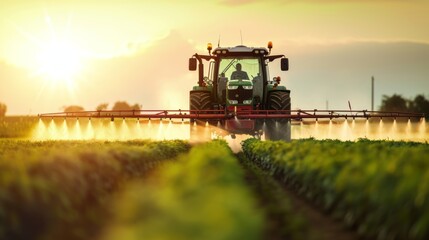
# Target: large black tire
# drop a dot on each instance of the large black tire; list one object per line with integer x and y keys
{"x": 200, "y": 100}
{"x": 278, "y": 129}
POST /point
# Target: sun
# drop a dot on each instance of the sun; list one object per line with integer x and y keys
{"x": 59, "y": 61}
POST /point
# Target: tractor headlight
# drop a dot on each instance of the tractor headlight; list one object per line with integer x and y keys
{"x": 248, "y": 87}
{"x": 247, "y": 101}
{"x": 233, "y": 101}
{"x": 232, "y": 87}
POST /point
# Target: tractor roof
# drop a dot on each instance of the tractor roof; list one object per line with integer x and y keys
{"x": 240, "y": 50}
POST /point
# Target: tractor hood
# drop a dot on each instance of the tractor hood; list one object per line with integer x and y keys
{"x": 240, "y": 83}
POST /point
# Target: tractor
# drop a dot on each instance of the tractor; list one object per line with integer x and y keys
{"x": 238, "y": 80}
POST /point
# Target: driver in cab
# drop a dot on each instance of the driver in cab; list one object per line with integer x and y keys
{"x": 239, "y": 74}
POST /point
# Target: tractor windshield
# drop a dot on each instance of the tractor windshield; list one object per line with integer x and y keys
{"x": 250, "y": 66}
{"x": 241, "y": 69}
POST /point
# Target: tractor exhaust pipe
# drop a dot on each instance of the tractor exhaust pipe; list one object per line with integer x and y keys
{"x": 200, "y": 74}
{"x": 200, "y": 70}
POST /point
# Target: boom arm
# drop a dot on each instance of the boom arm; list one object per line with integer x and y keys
{"x": 298, "y": 115}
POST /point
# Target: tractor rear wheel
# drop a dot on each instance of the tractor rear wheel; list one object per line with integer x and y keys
{"x": 278, "y": 129}
{"x": 200, "y": 100}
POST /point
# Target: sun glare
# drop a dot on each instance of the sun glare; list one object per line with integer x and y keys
{"x": 59, "y": 62}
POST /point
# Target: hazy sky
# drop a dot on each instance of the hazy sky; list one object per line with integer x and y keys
{"x": 63, "y": 52}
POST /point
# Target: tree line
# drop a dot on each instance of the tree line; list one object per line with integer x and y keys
{"x": 397, "y": 103}
{"x": 119, "y": 105}
{"x": 394, "y": 103}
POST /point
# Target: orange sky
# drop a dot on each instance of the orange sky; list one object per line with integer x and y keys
{"x": 56, "y": 53}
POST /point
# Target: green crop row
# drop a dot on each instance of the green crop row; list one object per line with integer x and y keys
{"x": 203, "y": 195}
{"x": 379, "y": 188}
{"x": 62, "y": 190}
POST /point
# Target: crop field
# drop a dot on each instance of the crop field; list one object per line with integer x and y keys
{"x": 305, "y": 189}
{"x": 163, "y": 120}
{"x": 61, "y": 190}
{"x": 17, "y": 126}
{"x": 380, "y": 189}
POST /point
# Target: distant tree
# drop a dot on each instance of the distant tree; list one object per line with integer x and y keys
{"x": 73, "y": 108}
{"x": 122, "y": 105}
{"x": 395, "y": 103}
{"x": 3, "y": 109}
{"x": 136, "y": 106}
{"x": 420, "y": 104}
{"x": 102, "y": 106}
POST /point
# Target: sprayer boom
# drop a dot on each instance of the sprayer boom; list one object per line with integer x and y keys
{"x": 297, "y": 115}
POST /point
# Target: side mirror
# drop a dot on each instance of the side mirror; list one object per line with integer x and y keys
{"x": 192, "y": 64}
{"x": 284, "y": 64}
